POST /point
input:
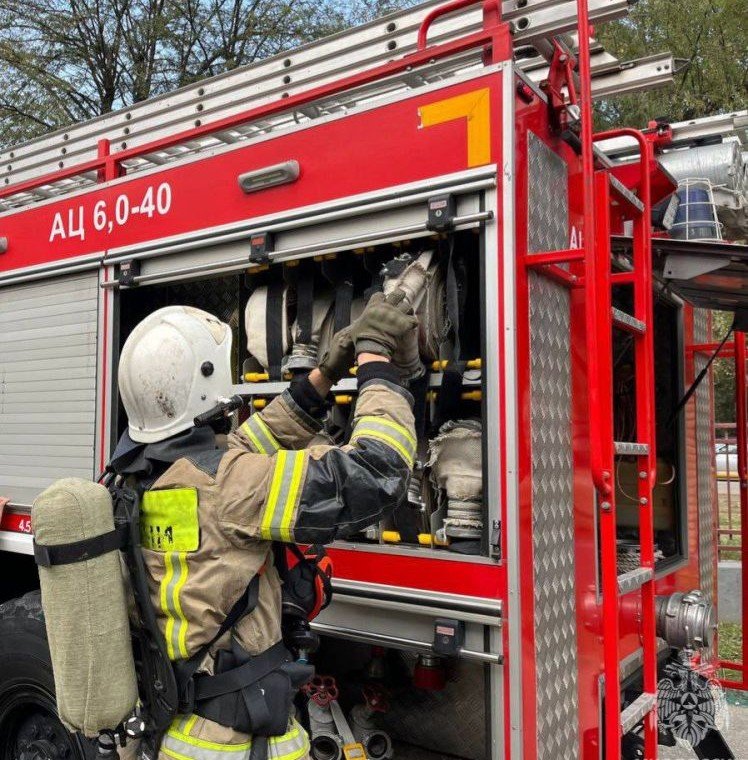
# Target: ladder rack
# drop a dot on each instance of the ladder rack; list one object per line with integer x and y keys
{"x": 43, "y": 168}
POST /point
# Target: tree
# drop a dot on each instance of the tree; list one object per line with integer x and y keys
{"x": 64, "y": 61}
{"x": 710, "y": 37}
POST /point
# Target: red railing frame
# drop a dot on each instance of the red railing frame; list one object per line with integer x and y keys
{"x": 494, "y": 36}
{"x": 741, "y": 419}
{"x": 598, "y": 281}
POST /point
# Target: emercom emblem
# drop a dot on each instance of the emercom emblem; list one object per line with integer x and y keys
{"x": 690, "y": 702}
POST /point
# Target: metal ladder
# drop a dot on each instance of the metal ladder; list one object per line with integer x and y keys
{"x": 602, "y": 193}
{"x": 608, "y": 191}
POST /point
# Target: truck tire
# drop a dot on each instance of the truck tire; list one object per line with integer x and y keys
{"x": 29, "y": 726}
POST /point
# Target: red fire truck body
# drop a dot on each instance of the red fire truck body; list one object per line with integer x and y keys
{"x": 550, "y": 631}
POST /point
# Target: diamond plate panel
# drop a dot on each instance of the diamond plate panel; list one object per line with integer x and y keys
{"x": 553, "y": 520}
{"x": 705, "y": 458}
{"x": 700, "y": 325}
{"x": 547, "y": 198}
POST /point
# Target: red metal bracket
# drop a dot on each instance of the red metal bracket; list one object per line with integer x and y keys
{"x": 560, "y": 75}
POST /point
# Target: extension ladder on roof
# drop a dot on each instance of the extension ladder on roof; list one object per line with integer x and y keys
{"x": 259, "y": 99}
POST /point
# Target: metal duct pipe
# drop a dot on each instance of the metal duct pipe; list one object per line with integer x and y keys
{"x": 686, "y": 620}
{"x": 721, "y": 164}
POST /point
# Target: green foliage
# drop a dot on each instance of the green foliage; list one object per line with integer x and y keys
{"x": 723, "y": 372}
{"x": 65, "y": 61}
{"x": 710, "y": 37}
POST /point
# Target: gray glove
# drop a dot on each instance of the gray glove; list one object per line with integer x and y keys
{"x": 338, "y": 357}
{"x": 383, "y": 324}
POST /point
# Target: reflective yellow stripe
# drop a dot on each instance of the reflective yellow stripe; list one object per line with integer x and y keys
{"x": 275, "y": 486}
{"x": 284, "y": 496}
{"x": 171, "y": 586}
{"x": 388, "y": 441}
{"x": 205, "y": 744}
{"x": 176, "y": 755}
{"x": 285, "y": 526}
{"x": 271, "y": 438}
{"x": 390, "y": 433}
{"x": 290, "y": 746}
{"x": 168, "y": 576}
{"x": 182, "y": 636}
{"x": 258, "y": 432}
{"x": 189, "y": 724}
{"x": 247, "y": 430}
{"x": 473, "y": 106}
{"x": 401, "y": 429}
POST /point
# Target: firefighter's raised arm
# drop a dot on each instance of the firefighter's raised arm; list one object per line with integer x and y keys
{"x": 291, "y": 420}
{"x": 325, "y": 492}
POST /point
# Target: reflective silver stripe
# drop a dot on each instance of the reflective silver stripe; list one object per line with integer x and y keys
{"x": 181, "y": 747}
{"x": 283, "y": 498}
{"x": 291, "y": 746}
{"x": 259, "y": 433}
{"x": 171, "y": 586}
{"x": 395, "y": 436}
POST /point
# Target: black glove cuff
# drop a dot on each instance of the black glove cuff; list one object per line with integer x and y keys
{"x": 307, "y": 397}
{"x": 378, "y": 371}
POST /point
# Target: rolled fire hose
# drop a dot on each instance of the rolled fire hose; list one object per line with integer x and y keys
{"x": 455, "y": 459}
{"x": 85, "y": 610}
{"x": 304, "y": 355}
{"x": 266, "y": 326}
{"x": 424, "y": 288}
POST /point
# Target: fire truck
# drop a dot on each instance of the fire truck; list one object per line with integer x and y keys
{"x": 566, "y": 321}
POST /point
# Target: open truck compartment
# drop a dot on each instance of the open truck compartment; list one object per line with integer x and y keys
{"x": 509, "y": 606}
{"x": 268, "y": 306}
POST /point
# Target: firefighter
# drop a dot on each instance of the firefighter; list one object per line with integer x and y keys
{"x": 209, "y": 515}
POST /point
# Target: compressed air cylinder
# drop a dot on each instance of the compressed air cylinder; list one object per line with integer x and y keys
{"x": 85, "y": 610}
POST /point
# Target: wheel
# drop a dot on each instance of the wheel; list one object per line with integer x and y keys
{"x": 29, "y": 726}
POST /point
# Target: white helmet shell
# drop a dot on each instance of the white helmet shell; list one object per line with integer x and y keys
{"x": 174, "y": 365}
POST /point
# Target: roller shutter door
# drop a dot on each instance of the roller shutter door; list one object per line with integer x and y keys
{"x": 48, "y": 347}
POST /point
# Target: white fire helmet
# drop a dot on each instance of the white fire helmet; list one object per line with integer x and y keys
{"x": 175, "y": 365}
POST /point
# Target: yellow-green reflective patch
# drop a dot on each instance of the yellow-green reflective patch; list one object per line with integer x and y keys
{"x": 168, "y": 520}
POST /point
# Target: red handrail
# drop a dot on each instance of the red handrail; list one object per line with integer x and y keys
{"x": 442, "y": 10}
{"x": 741, "y": 416}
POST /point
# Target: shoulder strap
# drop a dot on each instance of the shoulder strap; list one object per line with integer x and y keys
{"x": 185, "y": 671}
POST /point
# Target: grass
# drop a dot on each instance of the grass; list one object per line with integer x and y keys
{"x": 730, "y": 649}
{"x": 730, "y": 641}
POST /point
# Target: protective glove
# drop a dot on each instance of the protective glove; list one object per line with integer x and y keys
{"x": 338, "y": 357}
{"x": 407, "y": 357}
{"x": 383, "y": 324}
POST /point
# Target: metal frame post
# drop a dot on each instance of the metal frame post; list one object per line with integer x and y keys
{"x": 741, "y": 418}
